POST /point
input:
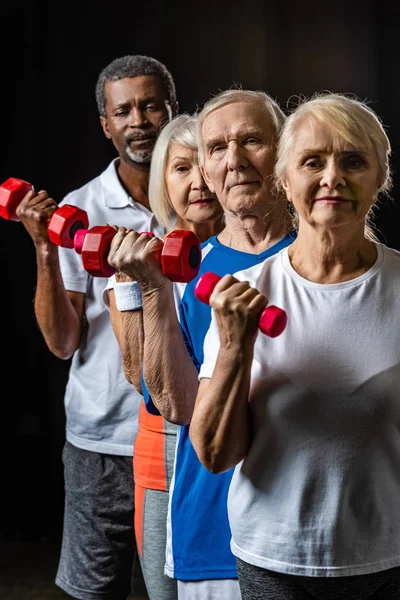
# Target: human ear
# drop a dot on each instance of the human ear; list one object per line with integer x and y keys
{"x": 286, "y": 187}
{"x": 104, "y": 125}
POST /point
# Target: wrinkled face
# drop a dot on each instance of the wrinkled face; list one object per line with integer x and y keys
{"x": 187, "y": 190}
{"x": 136, "y": 108}
{"x": 329, "y": 181}
{"x": 239, "y": 145}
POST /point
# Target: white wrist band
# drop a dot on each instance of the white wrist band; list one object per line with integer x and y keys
{"x": 128, "y": 295}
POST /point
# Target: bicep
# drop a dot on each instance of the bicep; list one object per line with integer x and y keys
{"x": 203, "y": 388}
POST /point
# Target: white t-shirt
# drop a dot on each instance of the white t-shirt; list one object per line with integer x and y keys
{"x": 101, "y": 406}
{"x": 319, "y": 491}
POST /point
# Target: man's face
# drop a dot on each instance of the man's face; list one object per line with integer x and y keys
{"x": 239, "y": 150}
{"x": 136, "y": 109}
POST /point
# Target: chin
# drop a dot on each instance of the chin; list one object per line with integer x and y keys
{"x": 142, "y": 158}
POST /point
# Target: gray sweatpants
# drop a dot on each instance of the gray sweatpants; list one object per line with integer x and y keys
{"x": 151, "y": 534}
{"x": 256, "y": 583}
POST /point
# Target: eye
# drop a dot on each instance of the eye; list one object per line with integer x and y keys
{"x": 151, "y": 107}
{"x": 252, "y": 141}
{"x": 354, "y": 161}
{"x": 181, "y": 168}
{"x": 313, "y": 162}
{"x": 216, "y": 149}
{"x": 121, "y": 112}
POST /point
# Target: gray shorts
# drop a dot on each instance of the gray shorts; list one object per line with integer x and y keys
{"x": 98, "y": 543}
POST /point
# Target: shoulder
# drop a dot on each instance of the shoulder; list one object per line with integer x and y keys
{"x": 80, "y": 195}
{"x": 271, "y": 265}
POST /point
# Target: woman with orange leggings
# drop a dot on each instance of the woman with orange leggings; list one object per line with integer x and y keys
{"x": 179, "y": 199}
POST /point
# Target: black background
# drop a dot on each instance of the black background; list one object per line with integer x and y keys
{"x": 51, "y": 54}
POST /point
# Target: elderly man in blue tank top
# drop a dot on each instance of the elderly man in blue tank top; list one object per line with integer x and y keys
{"x": 237, "y": 134}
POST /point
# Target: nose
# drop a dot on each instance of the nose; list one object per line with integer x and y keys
{"x": 236, "y": 157}
{"x": 137, "y": 117}
{"x": 198, "y": 182}
{"x": 332, "y": 176}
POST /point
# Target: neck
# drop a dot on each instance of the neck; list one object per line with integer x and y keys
{"x": 256, "y": 233}
{"x": 203, "y": 230}
{"x": 135, "y": 179}
{"x": 330, "y": 256}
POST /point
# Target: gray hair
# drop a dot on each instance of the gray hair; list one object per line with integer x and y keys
{"x": 353, "y": 120}
{"x": 238, "y": 95}
{"x": 180, "y": 130}
{"x": 134, "y": 66}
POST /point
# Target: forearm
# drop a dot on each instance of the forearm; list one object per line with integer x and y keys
{"x": 132, "y": 342}
{"x": 168, "y": 370}
{"x": 56, "y": 316}
{"x": 220, "y": 430}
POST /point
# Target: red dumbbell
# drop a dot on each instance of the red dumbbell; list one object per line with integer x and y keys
{"x": 180, "y": 255}
{"x": 272, "y": 321}
{"x": 64, "y": 222}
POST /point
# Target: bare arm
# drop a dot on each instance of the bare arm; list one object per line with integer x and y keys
{"x": 59, "y": 313}
{"x": 169, "y": 373}
{"x": 221, "y": 429}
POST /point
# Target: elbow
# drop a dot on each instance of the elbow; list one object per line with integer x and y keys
{"x": 173, "y": 415}
{"x": 169, "y": 406}
{"x": 133, "y": 380}
{"x": 62, "y": 353}
{"x": 213, "y": 459}
{"x": 214, "y": 462}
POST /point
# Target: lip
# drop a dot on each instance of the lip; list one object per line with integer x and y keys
{"x": 202, "y": 200}
{"x": 332, "y": 199}
{"x": 145, "y": 140}
{"x": 241, "y": 183}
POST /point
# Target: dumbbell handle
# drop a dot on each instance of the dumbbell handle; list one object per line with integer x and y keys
{"x": 272, "y": 321}
{"x": 180, "y": 255}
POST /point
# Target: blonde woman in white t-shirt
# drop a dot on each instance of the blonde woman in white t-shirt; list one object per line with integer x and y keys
{"x": 311, "y": 419}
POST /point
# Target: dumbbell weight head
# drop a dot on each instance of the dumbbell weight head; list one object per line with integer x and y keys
{"x": 64, "y": 224}
{"x": 181, "y": 256}
{"x": 12, "y": 191}
{"x": 94, "y": 246}
{"x": 205, "y": 286}
{"x": 273, "y": 319}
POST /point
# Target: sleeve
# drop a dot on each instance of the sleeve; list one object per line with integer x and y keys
{"x": 147, "y": 399}
{"x": 210, "y": 349}
{"x": 186, "y": 334}
{"x": 75, "y": 278}
{"x": 109, "y": 286}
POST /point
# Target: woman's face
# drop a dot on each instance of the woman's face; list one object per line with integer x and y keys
{"x": 189, "y": 195}
{"x": 330, "y": 182}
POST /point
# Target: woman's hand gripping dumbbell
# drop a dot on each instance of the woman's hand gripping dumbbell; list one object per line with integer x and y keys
{"x": 273, "y": 320}
{"x": 180, "y": 254}
{"x": 37, "y": 208}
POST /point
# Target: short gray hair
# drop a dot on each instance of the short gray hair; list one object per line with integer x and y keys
{"x": 134, "y": 65}
{"x": 180, "y": 130}
{"x": 238, "y": 95}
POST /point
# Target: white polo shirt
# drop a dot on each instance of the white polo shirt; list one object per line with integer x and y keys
{"x": 101, "y": 407}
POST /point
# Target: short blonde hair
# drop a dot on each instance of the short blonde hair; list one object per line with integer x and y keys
{"x": 180, "y": 130}
{"x": 353, "y": 120}
{"x": 238, "y": 95}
